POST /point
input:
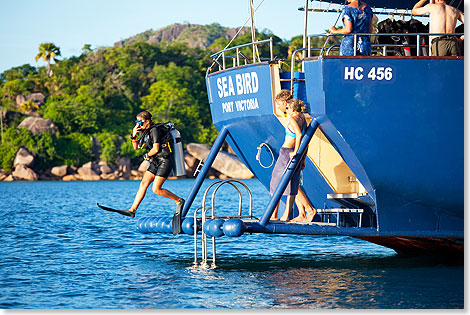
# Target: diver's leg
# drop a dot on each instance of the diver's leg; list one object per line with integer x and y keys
{"x": 157, "y": 188}
{"x": 147, "y": 179}
{"x": 176, "y": 221}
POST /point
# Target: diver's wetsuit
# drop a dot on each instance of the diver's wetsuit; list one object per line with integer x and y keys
{"x": 162, "y": 162}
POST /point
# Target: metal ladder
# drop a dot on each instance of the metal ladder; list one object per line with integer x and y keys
{"x": 203, "y": 219}
{"x": 353, "y": 204}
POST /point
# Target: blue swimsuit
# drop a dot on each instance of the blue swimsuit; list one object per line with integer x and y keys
{"x": 292, "y": 134}
{"x": 361, "y": 22}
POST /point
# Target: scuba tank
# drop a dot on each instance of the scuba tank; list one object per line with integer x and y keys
{"x": 177, "y": 151}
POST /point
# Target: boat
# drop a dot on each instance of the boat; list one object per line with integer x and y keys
{"x": 384, "y": 144}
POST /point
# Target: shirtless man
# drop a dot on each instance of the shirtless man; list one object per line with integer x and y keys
{"x": 443, "y": 20}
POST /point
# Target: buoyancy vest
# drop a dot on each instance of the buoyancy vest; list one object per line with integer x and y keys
{"x": 146, "y": 139}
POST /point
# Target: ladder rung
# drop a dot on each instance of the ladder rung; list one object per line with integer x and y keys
{"x": 340, "y": 210}
{"x": 343, "y": 196}
{"x": 324, "y": 223}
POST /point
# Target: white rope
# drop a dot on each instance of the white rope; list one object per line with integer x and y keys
{"x": 259, "y": 153}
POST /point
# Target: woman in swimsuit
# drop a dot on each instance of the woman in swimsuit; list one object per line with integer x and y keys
{"x": 295, "y": 127}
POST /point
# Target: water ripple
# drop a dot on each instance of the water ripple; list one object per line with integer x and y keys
{"x": 60, "y": 251}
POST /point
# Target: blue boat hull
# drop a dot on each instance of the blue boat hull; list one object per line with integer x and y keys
{"x": 407, "y": 133}
{"x": 397, "y": 123}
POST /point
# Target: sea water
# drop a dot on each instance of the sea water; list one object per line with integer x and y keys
{"x": 59, "y": 250}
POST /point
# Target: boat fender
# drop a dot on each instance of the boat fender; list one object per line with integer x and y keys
{"x": 205, "y": 226}
{"x": 188, "y": 226}
{"x": 156, "y": 225}
{"x": 160, "y": 225}
{"x": 233, "y": 227}
{"x": 213, "y": 227}
{"x": 151, "y": 224}
{"x": 144, "y": 225}
{"x": 166, "y": 226}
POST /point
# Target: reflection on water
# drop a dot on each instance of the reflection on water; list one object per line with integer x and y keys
{"x": 300, "y": 281}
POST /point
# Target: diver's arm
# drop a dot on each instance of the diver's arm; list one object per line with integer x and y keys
{"x": 135, "y": 130}
{"x": 154, "y": 150}
{"x": 134, "y": 144}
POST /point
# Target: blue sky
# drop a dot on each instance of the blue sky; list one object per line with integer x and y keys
{"x": 26, "y": 24}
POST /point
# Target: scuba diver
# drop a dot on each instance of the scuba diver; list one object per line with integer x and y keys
{"x": 160, "y": 157}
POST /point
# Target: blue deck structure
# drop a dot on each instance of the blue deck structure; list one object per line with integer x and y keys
{"x": 384, "y": 146}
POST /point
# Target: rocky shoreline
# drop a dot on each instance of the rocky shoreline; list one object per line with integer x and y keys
{"x": 226, "y": 165}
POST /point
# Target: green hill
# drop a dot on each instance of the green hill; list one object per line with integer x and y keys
{"x": 194, "y": 35}
{"x": 96, "y": 95}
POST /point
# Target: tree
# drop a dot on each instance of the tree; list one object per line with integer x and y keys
{"x": 48, "y": 52}
{"x": 86, "y": 48}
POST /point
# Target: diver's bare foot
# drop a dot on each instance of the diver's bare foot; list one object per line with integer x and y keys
{"x": 274, "y": 219}
{"x": 284, "y": 218}
{"x": 311, "y": 214}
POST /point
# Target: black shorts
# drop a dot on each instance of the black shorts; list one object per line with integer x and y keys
{"x": 161, "y": 166}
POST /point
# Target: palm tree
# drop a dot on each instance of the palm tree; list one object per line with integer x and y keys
{"x": 48, "y": 52}
{"x": 86, "y": 48}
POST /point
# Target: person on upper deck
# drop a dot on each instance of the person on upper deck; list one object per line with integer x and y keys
{"x": 357, "y": 17}
{"x": 443, "y": 20}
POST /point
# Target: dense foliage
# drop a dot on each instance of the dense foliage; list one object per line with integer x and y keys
{"x": 99, "y": 93}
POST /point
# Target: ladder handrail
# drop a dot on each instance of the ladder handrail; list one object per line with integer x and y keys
{"x": 220, "y": 183}
{"x": 240, "y": 198}
{"x": 230, "y": 181}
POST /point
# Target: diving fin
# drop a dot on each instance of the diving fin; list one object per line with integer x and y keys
{"x": 123, "y": 212}
{"x": 176, "y": 222}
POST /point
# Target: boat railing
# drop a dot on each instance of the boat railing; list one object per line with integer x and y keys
{"x": 382, "y": 48}
{"x": 220, "y": 57}
{"x": 376, "y": 48}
